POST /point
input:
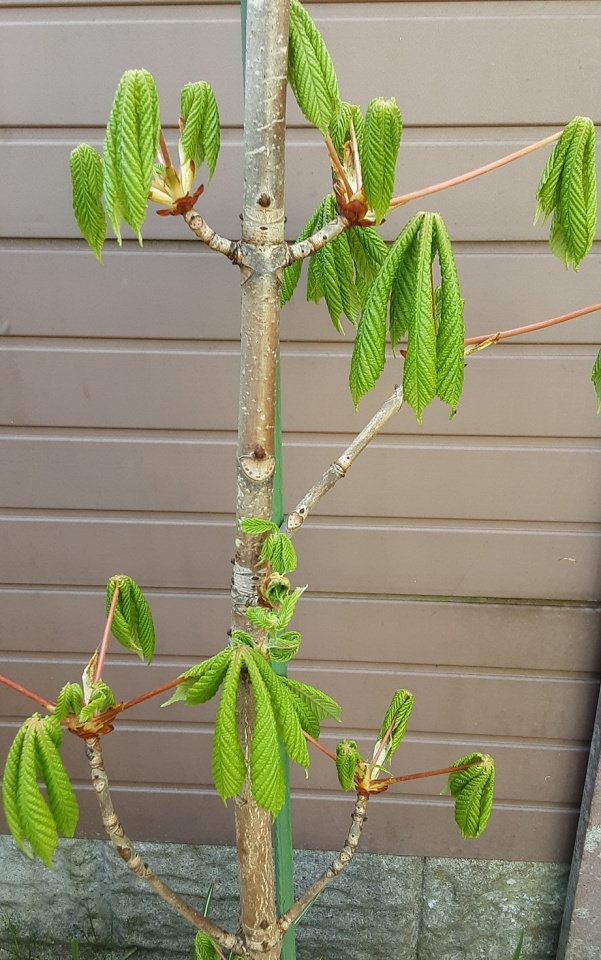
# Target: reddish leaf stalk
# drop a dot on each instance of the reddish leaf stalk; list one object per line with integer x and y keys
{"x": 147, "y": 696}
{"x": 105, "y": 637}
{"x": 319, "y": 746}
{"x": 47, "y": 704}
{"x": 531, "y": 327}
{"x": 430, "y": 773}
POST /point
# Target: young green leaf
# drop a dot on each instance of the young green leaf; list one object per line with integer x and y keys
{"x": 86, "y": 181}
{"x": 285, "y": 646}
{"x": 100, "y": 699}
{"x": 368, "y": 251}
{"x": 419, "y": 373}
{"x": 204, "y": 948}
{"x": 368, "y": 357}
{"x": 311, "y": 72}
{"x": 130, "y": 146}
{"x": 568, "y": 189}
{"x": 340, "y": 126}
{"x": 69, "y": 700}
{"x": 266, "y": 775}
{"x": 291, "y": 274}
{"x": 403, "y": 300}
{"x": 287, "y": 607}
{"x": 256, "y": 525}
{"x": 277, "y": 550}
{"x": 330, "y": 284}
{"x": 347, "y": 757}
{"x": 450, "y": 360}
{"x": 207, "y": 684}
{"x": 262, "y": 618}
{"x": 201, "y": 135}
{"x": 228, "y": 764}
{"x": 288, "y": 724}
{"x": 320, "y": 704}
{"x": 132, "y": 622}
{"x": 10, "y": 787}
{"x": 61, "y": 798}
{"x": 378, "y": 160}
{"x": 473, "y": 790}
{"x": 308, "y": 720}
{"x": 38, "y": 824}
{"x": 394, "y": 725}
{"x": 596, "y": 378}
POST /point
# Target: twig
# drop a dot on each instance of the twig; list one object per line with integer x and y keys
{"x": 472, "y": 174}
{"x": 336, "y": 867}
{"x": 306, "y": 248}
{"x": 339, "y": 468}
{"x": 106, "y": 635}
{"x": 198, "y": 226}
{"x": 134, "y": 862}
{"x": 47, "y": 704}
{"x": 516, "y": 331}
{"x": 319, "y": 746}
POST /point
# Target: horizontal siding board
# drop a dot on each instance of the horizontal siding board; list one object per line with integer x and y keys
{"x": 559, "y": 563}
{"x": 468, "y": 75}
{"x": 87, "y": 472}
{"x": 519, "y": 390}
{"x": 452, "y": 704}
{"x": 501, "y": 290}
{"x": 514, "y": 637}
{"x": 500, "y": 207}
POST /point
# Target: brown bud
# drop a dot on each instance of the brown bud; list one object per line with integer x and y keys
{"x": 259, "y": 452}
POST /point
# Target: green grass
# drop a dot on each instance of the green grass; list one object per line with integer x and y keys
{"x": 14, "y": 946}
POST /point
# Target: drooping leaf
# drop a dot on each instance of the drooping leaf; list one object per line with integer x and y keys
{"x": 419, "y": 373}
{"x": 38, "y": 824}
{"x": 228, "y": 764}
{"x": 132, "y": 623}
{"x": 379, "y": 155}
{"x": 450, "y": 334}
{"x": 10, "y": 787}
{"x": 369, "y": 352}
{"x": 330, "y": 284}
{"x": 473, "y": 790}
{"x": 568, "y": 190}
{"x": 343, "y": 261}
{"x": 291, "y": 274}
{"x": 266, "y": 775}
{"x": 288, "y": 724}
{"x": 308, "y": 720}
{"x": 130, "y": 146}
{"x": 207, "y": 684}
{"x": 596, "y": 378}
{"x": 311, "y": 72}
{"x": 86, "y": 181}
{"x": 394, "y": 724}
{"x": 61, "y": 798}
{"x": 368, "y": 251}
{"x": 347, "y": 757}
{"x": 403, "y": 301}
{"x": 201, "y": 135}
{"x": 319, "y": 702}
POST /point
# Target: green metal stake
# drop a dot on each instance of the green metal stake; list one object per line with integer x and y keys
{"x": 282, "y": 828}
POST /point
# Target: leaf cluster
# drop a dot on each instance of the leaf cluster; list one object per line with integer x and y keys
{"x": 34, "y": 821}
{"x": 284, "y": 708}
{"x": 347, "y": 758}
{"x": 277, "y": 549}
{"x": 432, "y": 319}
{"x": 311, "y": 73}
{"x": 394, "y": 726}
{"x": 132, "y": 623}
{"x": 200, "y": 139}
{"x": 568, "y": 190}
{"x": 473, "y": 791}
{"x": 281, "y": 644}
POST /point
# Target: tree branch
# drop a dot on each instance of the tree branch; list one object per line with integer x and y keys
{"x": 336, "y": 867}
{"x": 472, "y": 174}
{"x": 306, "y": 248}
{"x": 198, "y": 226}
{"x": 339, "y": 468}
{"x": 134, "y": 862}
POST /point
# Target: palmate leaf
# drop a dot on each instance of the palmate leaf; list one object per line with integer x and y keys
{"x": 266, "y": 775}
{"x": 130, "y": 146}
{"x": 61, "y": 798}
{"x": 419, "y": 373}
{"x": 473, "y": 790}
{"x": 568, "y": 190}
{"x": 379, "y": 155}
{"x": 38, "y": 824}
{"x": 451, "y": 332}
{"x": 335, "y": 265}
{"x": 320, "y": 704}
{"x": 311, "y": 72}
{"x": 208, "y": 680}
{"x": 132, "y": 623}
{"x": 201, "y": 135}
{"x": 10, "y": 788}
{"x": 347, "y": 757}
{"x": 291, "y": 274}
{"x": 395, "y": 720}
{"x": 69, "y": 700}
{"x": 368, "y": 251}
{"x": 278, "y": 550}
{"x": 596, "y": 378}
{"x": 308, "y": 720}
{"x": 228, "y": 767}
{"x": 403, "y": 294}
{"x": 86, "y": 181}
{"x": 288, "y": 724}
{"x": 368, "y": 357}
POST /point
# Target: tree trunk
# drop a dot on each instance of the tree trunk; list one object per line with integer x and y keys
{"x": 263, "y": 255}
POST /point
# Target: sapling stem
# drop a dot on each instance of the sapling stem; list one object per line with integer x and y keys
{"x": 105, "y": 636}
{"x": 47, "y": 704}
{"x": 134, "y": 861}
{"x": 472, "y": 174}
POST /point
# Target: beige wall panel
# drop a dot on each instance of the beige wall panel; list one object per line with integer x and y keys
{"x": 454, "y": 703}
{"x": 190, "y": 626}
{"x": 445, "y": 62}
{"x": 484, "y": 209}
{"x": 442, "y": 559}
{"x": 185, "y": 474}
{"x": 520, "y": 390}
{"x": 503, "y": 285}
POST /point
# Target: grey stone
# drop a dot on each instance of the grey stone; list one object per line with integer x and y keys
{"x": 476, "y": 909}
